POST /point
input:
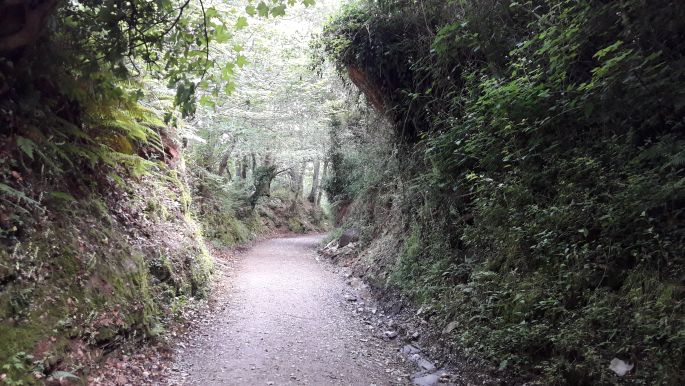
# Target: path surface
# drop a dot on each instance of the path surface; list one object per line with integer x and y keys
{"x": 286, "y": 321}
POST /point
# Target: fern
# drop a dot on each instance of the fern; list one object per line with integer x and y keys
{"x": 12, "y": 195}
{"x": 677, "y": 160}
{"x": 26, "y": 146}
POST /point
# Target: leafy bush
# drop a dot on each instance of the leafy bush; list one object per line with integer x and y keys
{"x": 352, "y": 151}
{"x": 222, "y": 209}
{"x": 544, "y": 147}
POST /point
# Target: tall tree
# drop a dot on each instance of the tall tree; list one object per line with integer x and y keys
{"x": 323, "y": 178}
{"x": 238, "y": 169}
{"x": 300, "y": 181}
{"x": 315, "y": 182}
{"x": 243, "y": 171}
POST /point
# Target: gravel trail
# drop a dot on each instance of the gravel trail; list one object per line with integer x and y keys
{"x": 284, "y": 318}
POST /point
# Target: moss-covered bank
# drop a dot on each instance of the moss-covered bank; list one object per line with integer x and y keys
{"x": 532, "y": 193}
{"x": 97, "y": 267}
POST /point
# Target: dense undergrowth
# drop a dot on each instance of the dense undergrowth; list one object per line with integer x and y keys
{"x": 536, "y": 177}
{"x": 103, "y": 231}
{"x": 92, "y": 259}
{"x": 89, "y": 267}
{"x": 98, "y": 245}
{"x": 224, "y": 209}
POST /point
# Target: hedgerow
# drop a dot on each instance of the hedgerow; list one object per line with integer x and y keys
{"x": 543, "y": 148}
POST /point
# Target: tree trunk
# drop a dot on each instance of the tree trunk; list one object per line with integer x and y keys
{"x": 262, "y": 180}
{"x": 297, "y": 185}
{"x": 224, "y": 163}
{"x": 238, "y": 168}
{"x": 243, "y": 171}
{"x": 293, "y": 180}
{"x": 323, "y": 179}
{"x": 300, "y": 182}
{"x": 315, "y": 182}
{"x": 268, "y": 158}
{"x": 254, "y": 163}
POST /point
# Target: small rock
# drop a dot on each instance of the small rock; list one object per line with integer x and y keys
{"x": 390, "y": 334}
{"x": 415, "y": 335}
{"x": 410, "y": 349}
{"x": 350, "y": 298}
{"x": 349, "y": 236}
{"x": 450, "y": 327}
{"x": 422, "y": 362}
{"x": 426, "y": 380}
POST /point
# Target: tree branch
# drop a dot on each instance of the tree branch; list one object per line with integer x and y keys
{"x": 180, "y": 14}
{"x": 282, "y": 171}
{"x": 34, "y": 20}
{"x": 204, "y": 25}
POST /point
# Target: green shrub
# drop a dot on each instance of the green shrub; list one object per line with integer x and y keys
{"x": 541, "y": 148}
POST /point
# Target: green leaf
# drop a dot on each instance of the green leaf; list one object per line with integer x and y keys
{"x": 237, "y": 48}
{"x": 250, "y": 10}
{"x": 211, "y": 12}
{"x": 263, "y": 9}
{"x": 9, "y": 191}
{"x": 278, "y": 10}
{"x": 63, "y": 196}
{"x": 308, "y": 3}
{"x": 241, "y": 22}
{"x": 229, "y": 88}
{"x": 611, "y": 48}
{"x": 221, "y": 35}
{"x": 503, "y": 364}
{"x": 26, "y": 145}
{"x": 241, "y": 61}
{"x": 207, "y": 101}
{"x": 227, "y": 71}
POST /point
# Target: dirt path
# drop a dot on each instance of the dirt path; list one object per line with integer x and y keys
{"x": 285, "y": 320}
